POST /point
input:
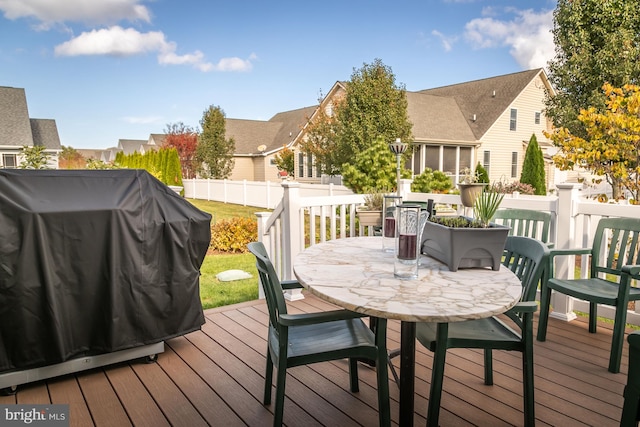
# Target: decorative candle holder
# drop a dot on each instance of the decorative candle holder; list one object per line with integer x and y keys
{"x": 407, "y": 242}
{"x": 389, "y": 205}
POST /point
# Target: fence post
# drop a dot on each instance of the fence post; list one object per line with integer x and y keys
{"x": 263, "y": 217}
{"x": 291, "y": 228}
{"x": 405, "y": 186}
{"x": 565, "y": 239}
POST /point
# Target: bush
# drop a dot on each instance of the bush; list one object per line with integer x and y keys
{"x": 509, "y": 188}
{"x": 233, "y": 235}
{"x": 430, "y": 181}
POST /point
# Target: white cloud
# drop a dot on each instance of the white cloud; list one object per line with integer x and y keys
{"x": 115, "y": 41}
{"x": 118, "y": 41}
{"x": 49, "y": 12}
{"x": 447, "y": 42}
{"x": 528, "y": 34}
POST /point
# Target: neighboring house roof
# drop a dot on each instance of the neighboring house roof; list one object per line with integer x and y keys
{"x": 157, "y": 139}
{"x": 292, "y": 124}
{"x": 14, "y": 118}
{"x": 282, "y": 129}
{"x": 248, "y": 135}
{"x": 437, "y": 118}
{"x": 17, "y": 129}
{"x": 45, "y": 133}
{"x": 129, "y": 146}
{"x": 483, "y": 101}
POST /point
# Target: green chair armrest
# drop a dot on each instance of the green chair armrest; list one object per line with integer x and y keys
{"x": 560, "y": 252}
{"x": 632, "y": 270}
{"x": 525, "y": 307}
{"x": 291, "y": 284}
{"x": 321, "y": 317}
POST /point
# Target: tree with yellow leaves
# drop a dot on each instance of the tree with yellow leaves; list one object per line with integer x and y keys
{"x": 612, "y": 144}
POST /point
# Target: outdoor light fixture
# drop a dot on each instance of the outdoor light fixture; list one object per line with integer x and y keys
{"x": 398, "y": 147}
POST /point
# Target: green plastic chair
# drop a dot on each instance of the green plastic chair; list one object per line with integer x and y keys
{"x": 302, "y": 339}
{"x": 631, "y": 407}
{"x": 525, "y": 222}
{"x": 526, "y": 257}
{"x": 611, "y": 270}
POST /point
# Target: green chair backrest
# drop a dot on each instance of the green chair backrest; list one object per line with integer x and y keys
{"x": 270, "y": 283}
{"x": 525, "y": 222}
{"x": 620, "y": 235}
{"x": 527, "y": 258}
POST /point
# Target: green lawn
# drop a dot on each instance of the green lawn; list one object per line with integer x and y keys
{"x": 214, "y": 293}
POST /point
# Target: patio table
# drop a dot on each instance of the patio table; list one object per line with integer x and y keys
{"x": 354, "y": 273}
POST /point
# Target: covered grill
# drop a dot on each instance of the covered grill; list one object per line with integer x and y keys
{"x": 94, "y": 262}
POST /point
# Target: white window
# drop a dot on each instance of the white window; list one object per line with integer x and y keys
{"x": 309, "y": 165}
{"x": 300, "y": 164}
{"x": 9, "y": 161}
{"x": 537, "y": 119}
{"x": 514, "y": 164}
{"x": 486, "y": 161}
{"x": 513, "y": 121}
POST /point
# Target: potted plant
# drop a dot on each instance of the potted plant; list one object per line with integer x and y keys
{"x": 470, "y": 187}
{"x": 462, "y": 242}
{"x": 371, "y": 213}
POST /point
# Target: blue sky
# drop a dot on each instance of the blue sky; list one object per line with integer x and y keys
{"x": 112, "y": 69}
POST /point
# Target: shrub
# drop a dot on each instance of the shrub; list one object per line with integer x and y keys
{"x": 430, "y": 181}
{"x": 233, "y": 235}
{"x": 509, "y": 188}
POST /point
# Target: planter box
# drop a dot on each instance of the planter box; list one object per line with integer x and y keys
{"x": 465, "y": 247}
{"x": 367, "y": 218}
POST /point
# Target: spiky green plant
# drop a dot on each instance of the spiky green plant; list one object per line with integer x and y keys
{"x": 486, "y": 206}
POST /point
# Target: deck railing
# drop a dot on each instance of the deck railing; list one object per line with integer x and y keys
{"x": 298, "y": 221}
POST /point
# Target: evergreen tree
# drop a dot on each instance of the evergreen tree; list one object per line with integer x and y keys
{"x": 533, "y": 167}
{"x": 214, "y": 152}
{"x": 482, "y": 174}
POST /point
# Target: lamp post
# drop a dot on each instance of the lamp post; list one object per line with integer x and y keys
{"x": 398, "y": 147}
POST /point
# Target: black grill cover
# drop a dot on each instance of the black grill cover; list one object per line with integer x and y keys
{"x": 93, "y": 262}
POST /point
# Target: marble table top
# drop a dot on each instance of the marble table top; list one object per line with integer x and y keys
{"x": 354, "y": 273}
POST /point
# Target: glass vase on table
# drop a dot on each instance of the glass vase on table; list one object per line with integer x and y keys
{"x": 389, "y": 205}
{"x": 407, "y": 254}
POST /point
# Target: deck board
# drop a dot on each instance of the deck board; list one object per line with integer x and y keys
{"x": 215, "y": 376}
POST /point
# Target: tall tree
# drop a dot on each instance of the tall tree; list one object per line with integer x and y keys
{"x": 374, "y": 106}
{"x": 214, "y": 151}
{"x": 533, "y": 167}
{"x": 185, "y": 140}
{"x": 612, "y": 145}
{"x": 597, "y": 42}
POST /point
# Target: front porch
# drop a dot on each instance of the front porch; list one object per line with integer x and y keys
{"x": 215, "y": 377}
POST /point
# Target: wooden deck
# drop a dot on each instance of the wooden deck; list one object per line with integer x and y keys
{"x": 215, "y": 377}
